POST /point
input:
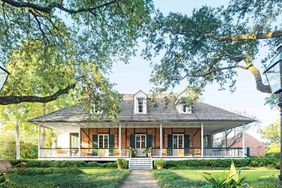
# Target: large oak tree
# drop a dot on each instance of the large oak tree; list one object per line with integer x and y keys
{"x": 212, "y": 44}
{"x": 86, "y": 36}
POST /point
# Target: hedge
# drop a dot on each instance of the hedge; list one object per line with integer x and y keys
{"x": 44, "y": 171}
{"x": 247, "y": 162}
{"x": 38, "y": 163}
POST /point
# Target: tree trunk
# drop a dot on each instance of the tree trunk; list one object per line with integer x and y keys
{"x": 18, "y": 154}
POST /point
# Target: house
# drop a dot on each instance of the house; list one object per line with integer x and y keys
{"x": 254, "y": 147}
{"x": 144, "y": 128}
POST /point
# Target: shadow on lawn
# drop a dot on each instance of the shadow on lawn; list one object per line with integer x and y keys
{"x": 63, "y": 177}
{"x": 168, "y": 178}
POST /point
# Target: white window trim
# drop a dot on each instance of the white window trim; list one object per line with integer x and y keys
{"x": 136, "y": 108}
{"x": 140, "y": 136}
{"x": 104, "y": 135}
{"x": 188, "y": 109}
{"x": 177, "y": 141}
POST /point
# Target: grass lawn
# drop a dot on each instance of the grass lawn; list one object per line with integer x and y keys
{"x": 66, "y": 177}
{"x": 262, "y": 178}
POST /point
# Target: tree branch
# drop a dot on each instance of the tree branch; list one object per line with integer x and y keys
{"x": 6, "y": 100}
{"x": 259, "y": 84}
{"x": 267, "y": 35}
{"x": 48, "y": 9}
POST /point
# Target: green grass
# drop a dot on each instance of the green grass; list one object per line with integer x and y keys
{"x": 110, "y": 178}
{"x": 260, "y": 177}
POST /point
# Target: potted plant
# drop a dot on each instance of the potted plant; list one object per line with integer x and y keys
{"x": 148, "y": 152}
{"x": 133, "y": 152}
{"x": 121, "y": 163}
{"x": 159, "y": 164}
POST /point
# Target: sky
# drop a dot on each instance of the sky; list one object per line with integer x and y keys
{"x": 134, "y": 76}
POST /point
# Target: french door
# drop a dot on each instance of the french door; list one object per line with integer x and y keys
{"x": 140, "y": 145}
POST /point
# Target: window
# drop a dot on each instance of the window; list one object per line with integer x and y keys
{"x": 178, "y": 140}
{"x": 187, "y": 109}
{"x": 103, "y": 141}
{"x": 140, "y": 102}
{"x": 74, "y": 140}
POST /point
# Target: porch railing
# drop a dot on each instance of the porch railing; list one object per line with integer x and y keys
{"x": 196, "y": 152}
{"x": 84, "y": 152}
{"x": 126, "y": 152}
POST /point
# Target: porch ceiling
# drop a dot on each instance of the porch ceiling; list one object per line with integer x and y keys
{"x": 209, "y": 126}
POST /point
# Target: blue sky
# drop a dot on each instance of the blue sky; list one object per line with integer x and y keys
{"x": 246, "y": 99}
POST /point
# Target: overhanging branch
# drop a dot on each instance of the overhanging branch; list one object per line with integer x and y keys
{"x": 267, "y": 35}
{"x": 48, "y": 9}
{"x": 6, "y": 100}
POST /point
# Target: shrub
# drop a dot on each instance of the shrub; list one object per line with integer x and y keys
{"x": 37, "y": 163}
{"x": 121, "y": 163}
{"x": 159, "y": 164}
{"x": 44, "y": 171}
{"x": 224, "y": 163}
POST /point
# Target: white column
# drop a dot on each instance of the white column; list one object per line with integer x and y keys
{"x": 226, "y": 144}
{"x": 243, "y": 140}
{"x": 39, "y": 140}
{"x": 202, "y": 139}
{"x": 119, "y": 139}
{"x": 161, "y": 139}
{"x": 79, "y": 142}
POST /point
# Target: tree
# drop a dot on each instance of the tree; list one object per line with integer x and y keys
{"x": 80, "y": 32}
{"x": 271, "y": 133}
{"x": 212, "y": 44}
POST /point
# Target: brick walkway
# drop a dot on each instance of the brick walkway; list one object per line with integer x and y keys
{"x": 140, "y": 179}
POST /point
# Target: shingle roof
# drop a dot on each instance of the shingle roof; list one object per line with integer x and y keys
{"x": 156, "y": 111}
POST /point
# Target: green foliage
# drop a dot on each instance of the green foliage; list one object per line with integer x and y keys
{"x": 271, "y": 133}
{"x": 230, "y": 180}
{"x": 133, "y": 152}
{"x": 64, "y": 164}
{"x": 247, "y": 162}
{"x": 64, "y": 177}
{"x": 207, "y": 46}
{"x": 121, "y": 163}
{"x": 8, "y": 147}
{"x": 45, "y": 171}
{"x": 159, "y": 164}
{"x": 194, "y": 178}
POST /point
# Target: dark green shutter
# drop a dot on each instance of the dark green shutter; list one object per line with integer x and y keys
{"x": 132, "y": 141}
{"x": 112, "y": 141}
{"x": 95, "y": 141}
{"x": 95, "y": 145}
{"x": 111, "y": 144}
{"x": 186, "y": 145}
{"x": 149, "y": 141}
{"x": 170, "y": 150}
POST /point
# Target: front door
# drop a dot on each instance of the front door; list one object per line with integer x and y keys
{"x": 140, "y": 143}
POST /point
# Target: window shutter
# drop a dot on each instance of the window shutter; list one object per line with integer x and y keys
{"x": 111, "y": 144}
{"x": 149, "y": 141}
{"x": 95, "y": 145}
{"x": 186, "y": 144}
{"x": 132, "y": 141}
{"x": 95, "y": 141}
{"x": 170, "y": 151}
{"x": 112, "y": 141}
{"x": 169, "y": 141}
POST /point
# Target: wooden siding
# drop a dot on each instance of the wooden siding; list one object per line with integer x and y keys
{"x": 194, "y": 135}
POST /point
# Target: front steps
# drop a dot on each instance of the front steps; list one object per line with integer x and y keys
{"x": 140, "y": 163}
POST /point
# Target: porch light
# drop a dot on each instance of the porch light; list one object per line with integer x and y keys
{"x": 3, "y": 75}
{"x": 274, "y": 75}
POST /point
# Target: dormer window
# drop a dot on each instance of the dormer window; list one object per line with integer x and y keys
{"x": 140, "y": 103}
{"x": 187, "y": 109}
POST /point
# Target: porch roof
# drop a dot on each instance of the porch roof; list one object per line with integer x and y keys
{"x": 157, "y": 111}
